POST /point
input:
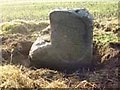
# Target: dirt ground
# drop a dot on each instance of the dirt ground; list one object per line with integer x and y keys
{"x": 104, "y": 74}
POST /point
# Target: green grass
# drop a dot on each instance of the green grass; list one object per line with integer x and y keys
{"x": 40, "y": 10}
{"x": 106, "y": 38}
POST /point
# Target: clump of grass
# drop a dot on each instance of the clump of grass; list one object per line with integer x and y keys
{"x": 57, "y": 84}
{"x": 23, "y": 27}
{"x": 13, "y": 28}
{"x": 12, "y": 76}
{"x": 106, "y": 31}
{"x": 105, "y": 38}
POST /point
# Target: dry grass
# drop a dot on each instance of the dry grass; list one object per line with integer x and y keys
{"x": 21, "y": 26}
{"x": 12, "y": 76}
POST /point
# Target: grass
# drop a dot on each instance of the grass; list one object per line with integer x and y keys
{"x": 106, "y": 31}
{"x": 21, "y": 77}
{"x": 21, "y": 26}
{"x": 106, "y": 38}
{"x": 40, "y": 11}
{"x": 16, "y": 77}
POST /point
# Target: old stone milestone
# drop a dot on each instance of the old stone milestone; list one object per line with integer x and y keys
{"x": 71, "y": 41}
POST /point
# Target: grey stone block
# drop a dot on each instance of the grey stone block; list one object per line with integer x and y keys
{"x": 71, "y": 41}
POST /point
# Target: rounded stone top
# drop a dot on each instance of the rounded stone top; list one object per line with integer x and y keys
{"x": 78, "y": 12}
{"x": 81, "y": 13}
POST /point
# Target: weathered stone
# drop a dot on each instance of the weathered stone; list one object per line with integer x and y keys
{"x": 71, "y": 41}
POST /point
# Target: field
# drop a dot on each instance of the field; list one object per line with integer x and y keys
{"x": 41, "y": 10}
{"x": 23, "y": 21}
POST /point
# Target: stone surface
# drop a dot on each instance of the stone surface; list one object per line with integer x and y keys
{"x": 71, "y": 41}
